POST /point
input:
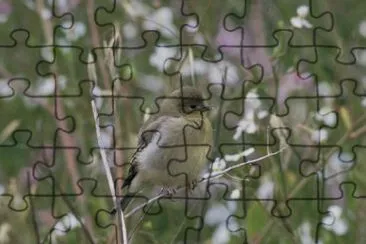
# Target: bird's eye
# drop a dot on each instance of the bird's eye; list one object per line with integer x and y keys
{"x": 192, "y": 107}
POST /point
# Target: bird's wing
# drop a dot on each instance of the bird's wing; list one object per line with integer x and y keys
{"x": 146, "y": 133}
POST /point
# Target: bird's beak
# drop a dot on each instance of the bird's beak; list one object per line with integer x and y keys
{"x": 205, "y": 108}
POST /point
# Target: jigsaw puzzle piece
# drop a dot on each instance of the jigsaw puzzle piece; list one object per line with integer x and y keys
{"x": 21, "y": 149}
{"x": 292, "y": 17}
{"x": 72, "y": 214}
{"x": 339, "y": 36}
{"x": 61, "y": 24}
{"x": 177, "y": 23}
{"x": 39, "y": 17}
{"x": 340, "y": 166}
{"x": 26, "y": 69}
{"x": 226, "y": 213}
{"x": 42, "y": 128}
{"x": 339, "y": 223}
{"x": 278, "y": 217}
{"x": 338, "y": 117}
{"x": 22, "y": 203}
{"x": 326, "y": 59}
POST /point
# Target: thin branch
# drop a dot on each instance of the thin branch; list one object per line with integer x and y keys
{"x": 94, "y": 35}
{"x": 121, "y": 222}
{"x": 33, "y": 214}
{"x": 58, "y": 111}
{"x": 218, "y": 174}
{"x": 214, "y": 176}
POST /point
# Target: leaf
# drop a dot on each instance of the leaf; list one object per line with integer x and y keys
{"x": 346, "y": 117}
{"x": 9, "y": 129}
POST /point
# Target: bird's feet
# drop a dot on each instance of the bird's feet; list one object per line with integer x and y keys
{"x": 168, "y": 191}
{"x": 193, "y": 185}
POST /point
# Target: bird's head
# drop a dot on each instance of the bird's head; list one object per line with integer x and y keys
{"x": 187, "y": 101}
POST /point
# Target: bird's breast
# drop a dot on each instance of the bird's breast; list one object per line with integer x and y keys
{"x": 179, "y": 149}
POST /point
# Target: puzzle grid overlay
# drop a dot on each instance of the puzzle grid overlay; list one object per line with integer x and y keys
{"x": 276, "y": 74}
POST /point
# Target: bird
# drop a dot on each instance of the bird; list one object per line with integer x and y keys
{"x": 173, "y": 145}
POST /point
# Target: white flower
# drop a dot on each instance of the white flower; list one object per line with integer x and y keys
{"x": 4, "y": 18}
{"x": 324, "y": 89}
{"x": 46, "y": 14}
{"x": 334, "y": 222}
{"x": 302, "y": 11}
{"x": 5, "y": 11}
{"x": 129, "y": 30}
{"x": 262, "y": 114}
{"x": 266, "y": 188}
{"x": 235, "y": 194}
{"x": 251, "y": 100}
{"x": 45, "y": 86}
{"x": 319, "y": 135}
{"x": 362, "y": 28}
{"x": 47, "y": 54}
{"x": 252, "y": 106}
{"x": 218, "y": 165}
{"x": 61, "y": 82}
{"x": 191, "y": 25}
{"x": 221, "y": 235}
{"x": 159, "y": 57}
{"x": 304, "y": 231}
{"x": 299, "y": 21}
{"x": 97, "y": 91}
{"x": 5, "y": 90}
{"x": 74, "y": 32}
{"x": 236, "y": 157}
{"x": 216, "y": 214}
{"x": 327, "y": 115}
{"x": 161, "y": 20}
{"x": 245, "y": 125}
{"x": 363, "y": 102}
{"x": 65, "y": 224}
{"x": 216, "y": 72}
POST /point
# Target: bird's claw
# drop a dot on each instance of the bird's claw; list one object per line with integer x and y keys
{"x": 193, "y": 185}
{"x": 169, "y": 191}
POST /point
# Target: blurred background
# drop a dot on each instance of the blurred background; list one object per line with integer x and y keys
{"x": 280, "y": 73}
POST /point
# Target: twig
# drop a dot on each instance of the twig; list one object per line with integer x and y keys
{"x": 94, "y": 35}
{"x": 138, "y": 223}
{"x": 33, "y": 214}
{"x": 87, "y": 232}
{"x": 58, "y": 111}
{"x": 117, "y": 206}
{"x": 218, "y": 174}
{"x": 213, "y": 176}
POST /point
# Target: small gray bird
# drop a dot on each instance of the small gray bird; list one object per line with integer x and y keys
{"x": 173, "y": 145}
